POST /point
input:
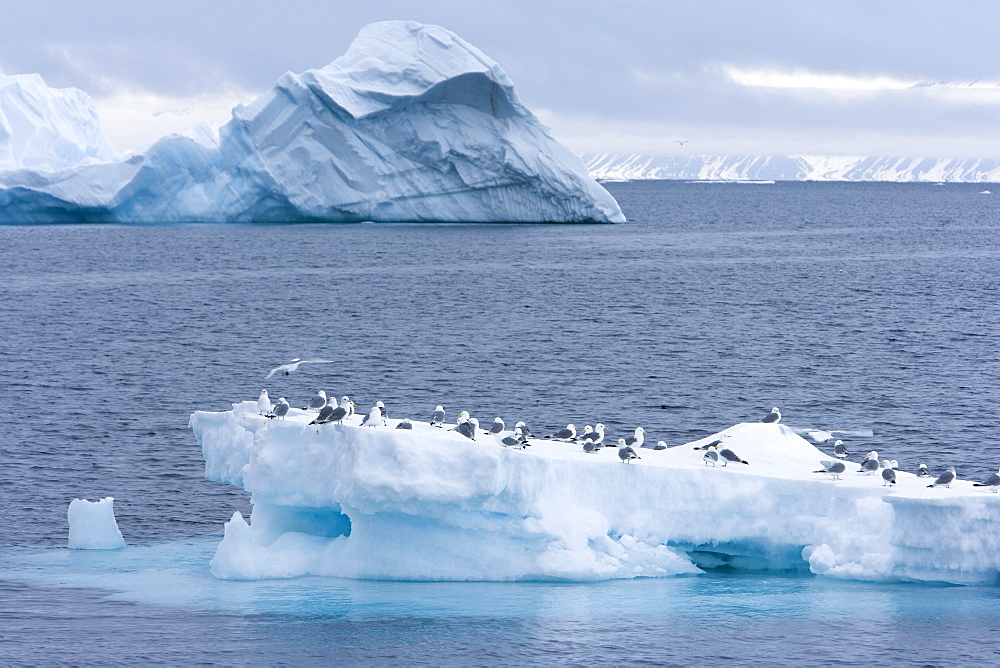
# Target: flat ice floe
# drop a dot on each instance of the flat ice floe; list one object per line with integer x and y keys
{"x": 429, "y": 504}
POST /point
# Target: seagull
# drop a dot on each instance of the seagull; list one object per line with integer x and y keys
{"x": 437, "y": 419}
{"x": 833, "y": 468}
{"x": 524, "y": 428}
{"x": 595, "y": 436}
{"x": 317, "y": 402}
{"x": 280, "y": 409}
{"x": 711, "y": 457}
{"x": 381, "y": 407}
{"x": 888, "y": 474}
{"x": 264, "y": 403}
{"x": 287, "y": 369}
{"x": 625, "y": 452}
{"x": 497, "y": 426}
{"x": 773, "y": 416}
{"x": 637, "y": 438}
{"x": 466, "y": 429}
{"x": 945, "y": 478}
{"x": 374, "y": 417}
{"x": 583, "y": 432}
{"x": 870, "y": 464}
{"x": 462, "y": 417}
{"x": 338, "y": 413}
{"x": 681, "y": 141}
{"x": 325, "y": 414}
{"x": 922, "y": 471}
{"x": 404, "y": 424}
{"x": 839, "y": 449}
{"x": 569, "y": 433}
{"x": 513, "y": 439}
{"x": 590, "y": 446}
{"x": 714, "y": 444}
{"x": 660, "y": 445}
{"x": 731, "y": 456}
{"x": 993, "y": 481}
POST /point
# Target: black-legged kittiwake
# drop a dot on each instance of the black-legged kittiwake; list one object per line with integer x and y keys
{"x": 773, "y": 416}
{"x": 437, "y": 418}
{"x": 888, "y": 473}
{"x": 374, "y": 417}
{"x": 404, "y": 424}
{"x": 870, "y": 464}
{"x": 569, "y": 433}
{"x": 497, "y": 426}
{"x": 708, "y": 446}
{"x": 524, "y": 429}
{"x": 325, "y": 414}
{"x": 711, "y": 457}
{"x": 342, "y": 411}
{"x": 513, "y": 439}
{"x": 466, "y": 429}
{"x": 839, "y": 449}
{"x": 316, "y": 402}
{"x": 833, "y": 468}
{"x": 264, "y": 403}
{"x": 597, "y": 435}
{"x": 286, "y": 369}
{"x": 731, "y": 456}
{"x": 636, "y": 439}
{"x": 590, "y": 446}
{"x": 280, "y": 409}
{"x": 660, "y": 445}
{"x": 625, "y": 452}
{"x": 945, "y": 478}
{"x": 922, "y": 471}
{"x": 993, "y": 481}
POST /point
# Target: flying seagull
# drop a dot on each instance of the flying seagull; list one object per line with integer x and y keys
{"x": 287, "y": 369}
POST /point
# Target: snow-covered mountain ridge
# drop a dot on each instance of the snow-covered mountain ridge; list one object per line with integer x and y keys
{"x": 791, "y": 168}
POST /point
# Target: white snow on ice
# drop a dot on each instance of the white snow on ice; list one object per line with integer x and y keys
{"x": 430, "y": 504}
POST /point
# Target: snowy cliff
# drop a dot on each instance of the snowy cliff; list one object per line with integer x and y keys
{"x": 791, "y": 168}
{"x": 411, "y": 124}
{"x": 430, "y": 504}
{"x": 47, "y": 129}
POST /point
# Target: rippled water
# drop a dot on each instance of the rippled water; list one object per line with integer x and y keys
{"x": 857, "y": 306}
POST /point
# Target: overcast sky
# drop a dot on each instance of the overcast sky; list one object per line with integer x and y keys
{"x": 915, "y": 78}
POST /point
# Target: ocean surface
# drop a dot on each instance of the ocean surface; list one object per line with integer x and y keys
{"x": 850, "y": 306}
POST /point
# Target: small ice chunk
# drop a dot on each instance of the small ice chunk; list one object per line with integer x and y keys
{"x": 92, "y": 525}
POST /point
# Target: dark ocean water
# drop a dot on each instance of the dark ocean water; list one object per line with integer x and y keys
{"x": 850, "y": 306}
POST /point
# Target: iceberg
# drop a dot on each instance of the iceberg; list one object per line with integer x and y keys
{"x": 92, "y": 525}
{"x": 411, "y": 124}
{"x": 429, "y": 504}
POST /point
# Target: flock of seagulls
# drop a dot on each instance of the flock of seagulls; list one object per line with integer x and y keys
{"x": 591, "y": 437}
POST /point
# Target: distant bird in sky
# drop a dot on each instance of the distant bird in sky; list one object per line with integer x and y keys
{"x": 945, "y": 478}
{"x": 287, "y": 369}
{"x": 773, "y": 416}
{"x": 682, "y": 141}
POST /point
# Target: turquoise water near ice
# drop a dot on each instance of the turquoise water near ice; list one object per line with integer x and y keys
{"x": 855, "y": 306}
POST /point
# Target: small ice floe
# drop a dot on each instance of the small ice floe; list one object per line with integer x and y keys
{"x": 92, "y": 525}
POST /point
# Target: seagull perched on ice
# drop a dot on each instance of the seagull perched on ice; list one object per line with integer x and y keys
{"x": 711, "y": 457}
{"x": 466, "y": 429}
{"x": 264, "y": 403}
{"x": 515, "y": 438}
{"x": 569, "y": 433}
{"x": 708, "y": 446}
{"x": 374, "y": 417}
{"x": 773, "y": 416}
{"x": 833, "y": 468}
{"x": 280, "y": 409}
{"x": 637, "y": 438}
{"x": 660, "y": 445}
{"x": 945, "y": 478}
{"x": 316, "y": 402}
{"x": 922, "y": 471}
{"x": 404, "y": 424}
{"x": 337, "y": 413}
{"x": 287, "y": 369}
{"x": 524, "y": 428}
{"x": 839, "y": 449}
{"x": 596, "y": 436}
{"x": 497, "y": 426}
{"x": 590, "y": 447}
{"x": 993, "y": 481}
{"x": 583, "y": 432}
{"x": 625, "y": 452}
{"x": 437, "y": 419}
{"x": 325, "y": 414}
{"x": 731, "y": 456}
{"x": 870, "y": 464}
{"x": 888, "y": 473}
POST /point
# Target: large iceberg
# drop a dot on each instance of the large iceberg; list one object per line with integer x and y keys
{"x": 411, "y": 124}
{"x": 429, "y": 504}
{"x": 48, "y": 129}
